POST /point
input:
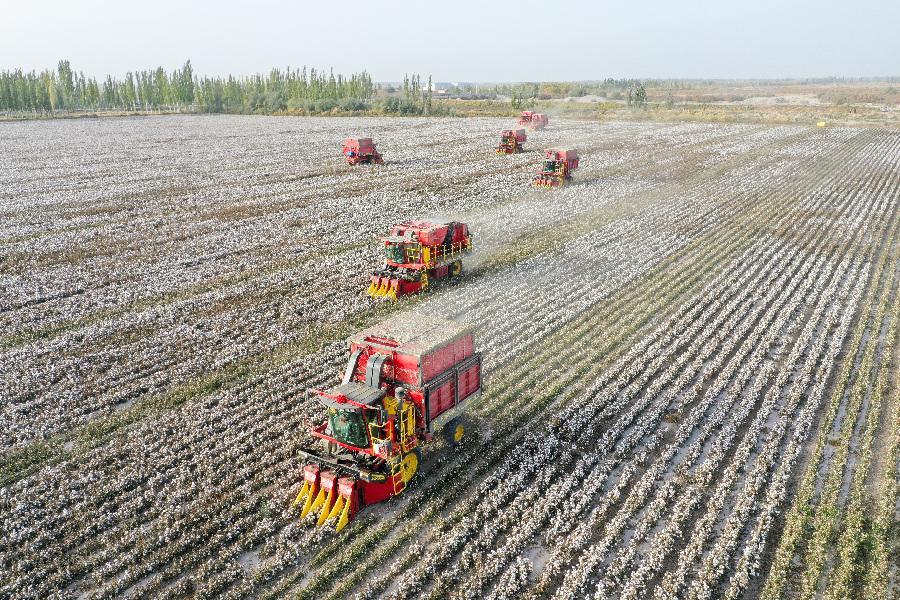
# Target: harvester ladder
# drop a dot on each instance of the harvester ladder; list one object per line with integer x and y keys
{"x": 406, "y": 420}
{"x": 396, "y": 465}
{"x": 561, "y": 172}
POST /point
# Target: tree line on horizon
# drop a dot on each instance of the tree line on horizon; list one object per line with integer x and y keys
{"x": 304, "y": 91}
{"x": 290, "y": 89}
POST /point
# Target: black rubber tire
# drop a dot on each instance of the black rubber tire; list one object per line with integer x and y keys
{"x": 449, "y": 431}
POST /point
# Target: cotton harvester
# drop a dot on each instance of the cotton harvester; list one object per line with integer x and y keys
{"x": 532, "y": 120}
{"x": 557, "y": 168}
{"x": 511, "y": 141}
{"x": 418, "y": 252}
{"x": 361, "y": 150}
{"x": 407, "y": 379}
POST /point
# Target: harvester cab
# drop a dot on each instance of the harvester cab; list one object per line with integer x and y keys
{"x": 511, "y": 141}
{"x": 557, "y": 168}
{"x": 418, "y": 253}
{"x": 361, "y": 150}
{"x": 406, "y": 379}
{"x": 532, "y": 120}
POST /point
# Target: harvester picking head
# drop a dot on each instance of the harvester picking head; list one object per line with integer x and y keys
{"x": 335, "y": 486}
{"x": 330, "y": 498}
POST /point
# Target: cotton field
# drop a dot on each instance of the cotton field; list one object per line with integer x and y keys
{"x": 690, "y": 359}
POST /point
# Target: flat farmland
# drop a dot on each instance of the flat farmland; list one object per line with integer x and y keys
{"x": 690, "y": 359}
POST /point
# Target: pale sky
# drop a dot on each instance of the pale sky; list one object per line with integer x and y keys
{"x": 463, "y": 40}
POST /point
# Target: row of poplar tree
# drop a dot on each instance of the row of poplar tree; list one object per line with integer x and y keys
{"x": 65, "y": 89}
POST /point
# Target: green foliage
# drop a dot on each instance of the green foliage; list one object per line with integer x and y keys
{"x": 23, "y": 461}
{"x": 301, "y": 91}
{"x": 305, "y": 91}
{"x": 637, "y": 95}
{"x": 524, "y": 95}
{"x": 181, "y": 89}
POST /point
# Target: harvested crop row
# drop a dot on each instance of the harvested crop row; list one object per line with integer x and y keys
{"x": 637, "y": 326}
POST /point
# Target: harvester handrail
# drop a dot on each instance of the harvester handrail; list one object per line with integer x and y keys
{"x": 437, "y": 254}
{"x": 380, "y": 432}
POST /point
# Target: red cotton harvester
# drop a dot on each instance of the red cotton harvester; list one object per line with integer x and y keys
{"x": 418, "y": 252}
{"x": 361, "y": 150}
{"x": 406, "y": 379}
{"x": 556, "y": 168}
{"x": 532, "y": 120}
{"x": 511, "y": 141}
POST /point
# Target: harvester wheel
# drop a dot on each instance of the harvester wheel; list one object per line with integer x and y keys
{"x": 455, "y": 431}
{"x": 409, "y": 465}
{"x": 456, "y": 268}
